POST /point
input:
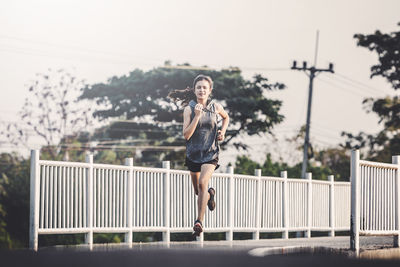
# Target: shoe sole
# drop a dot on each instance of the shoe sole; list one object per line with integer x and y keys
{"x": 211, "y": 201}
{"x": 197, "y": 230}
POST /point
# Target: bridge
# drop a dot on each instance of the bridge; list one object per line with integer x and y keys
{"x": 88, "y": 197}
{"x": 73, "y": 197}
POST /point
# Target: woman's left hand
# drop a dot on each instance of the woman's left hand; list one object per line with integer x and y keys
{"x": 221, "y": 135}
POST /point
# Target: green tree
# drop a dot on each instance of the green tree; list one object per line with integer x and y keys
{"x": 51, "y": 111}
{"x": 383, "y": 145}
{"x": 322, "y": 162}
{"x": 337, "y": 161}
{"x": 5, "y": 240}
{"x": 386, "y": 47}
{"x": 141, "y": 98}
{"x": 14, "y": 184}
{"x": 245, "y": 165}
{"x": 15, "y": 190}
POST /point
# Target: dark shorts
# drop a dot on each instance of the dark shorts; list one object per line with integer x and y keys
{"x": 196, "y": 167}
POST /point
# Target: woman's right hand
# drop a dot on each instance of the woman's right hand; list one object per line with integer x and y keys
{"x": 198, "y": 109}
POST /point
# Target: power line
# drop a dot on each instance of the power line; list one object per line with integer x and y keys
{"x": 323, "y": 142}
{"x": 35, "y": 53}
{"x": 324, "y": 126}
{"x": 296, "y": 128}
{"x": 264, "y": 69}
{"x": 88, "y": 50}
{"x": 124, "y": 148}
{"x": 324, "y": 129}
{"x": 358, "y": 82}
{"x": 341, "y": 88}
{"x": 356, "y": 87}
{"x": 114, "y": 61}
{"x": 148, "y": 147}
{"x": 315, "y": 132}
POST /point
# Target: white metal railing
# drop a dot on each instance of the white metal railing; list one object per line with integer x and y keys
{"x": 375, "y": 205}
{"x": 70, "y": 197}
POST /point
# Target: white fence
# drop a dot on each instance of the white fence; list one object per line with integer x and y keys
{"x": 69, "y": 197}
{"x": 375, "y": 205}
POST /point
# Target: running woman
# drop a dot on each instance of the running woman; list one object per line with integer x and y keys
{"x": 202, "y": 137}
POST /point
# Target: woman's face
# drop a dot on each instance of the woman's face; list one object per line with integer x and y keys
{"x": 202, "y": 89}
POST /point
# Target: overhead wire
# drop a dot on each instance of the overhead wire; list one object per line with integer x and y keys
{"x": 358, "y": 82}
{"x": 124, "y": 55}
{"x": 346, "y": 90}
{"x": 349, "y": 82}
{"x": 73, "y": 47}
{"x": 358, "y": 88}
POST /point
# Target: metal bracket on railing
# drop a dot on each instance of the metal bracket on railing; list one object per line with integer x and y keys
{"x": 396, "y": 239}
{"x": 309, "y": 203}
{"x": 34, "y": 201}
{"x": 331, "y": 205}
{"x": 89, "y": 207}
{"x": 285, "y": 206}
{"x": 256, "y": 234}
{"x": 166, "y": 233}
{"x": 355, "y": 202}
{"x": 229, "y": 234}
{"x": 128, "y": 235}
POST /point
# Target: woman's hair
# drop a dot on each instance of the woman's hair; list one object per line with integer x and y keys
{"x": 187, "y": 94}
{"x": 202, "y": 77}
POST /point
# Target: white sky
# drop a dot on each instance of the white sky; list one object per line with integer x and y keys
{"x": 100, "y": 39}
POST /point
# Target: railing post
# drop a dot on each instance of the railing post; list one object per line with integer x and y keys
{"x": 256, "y": 234}
{"x": 229, "y": 234}
{"x": 355, "y": 202}
{"x": 396, "y": 239}
{"x": 166, "y": 233}
{"x": 89, "y": 206}
{"x": 309, "y": 204}
{"x": 331, "y": 205}
{"x": 285, "y": 213}
{"x": 129, "y": 184}
{"x": 34, "y": 200}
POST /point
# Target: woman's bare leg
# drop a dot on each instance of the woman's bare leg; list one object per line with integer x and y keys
{"x": 205, "y": 175}
{"x": 195, "y": 181}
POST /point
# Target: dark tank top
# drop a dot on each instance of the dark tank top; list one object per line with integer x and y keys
{"x": 203, "y": 145}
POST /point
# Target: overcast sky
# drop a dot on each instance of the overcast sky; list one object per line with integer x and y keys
{"x": 99, "y": 39}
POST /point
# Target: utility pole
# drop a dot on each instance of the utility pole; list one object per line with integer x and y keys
{"x": 311, "y": 72}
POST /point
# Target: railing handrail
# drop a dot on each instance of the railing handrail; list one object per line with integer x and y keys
{"x": 378, "y": 164}
{"x": 150, "y": 199}
{"x": 375, "y": 206}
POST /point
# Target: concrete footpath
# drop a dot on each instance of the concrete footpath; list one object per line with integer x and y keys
{"x": 317, "y": 251}
{"x": 340, "y": 242}
{"x": 378, "y": 247}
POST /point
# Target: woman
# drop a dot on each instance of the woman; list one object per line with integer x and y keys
{"x": 202, "y": 136}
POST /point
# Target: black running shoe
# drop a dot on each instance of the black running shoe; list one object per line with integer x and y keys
{"x": 211, "y": 201}
{"x": 197, "y": 228}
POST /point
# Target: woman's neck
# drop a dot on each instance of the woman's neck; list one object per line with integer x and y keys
{"x": 202, "y": 101}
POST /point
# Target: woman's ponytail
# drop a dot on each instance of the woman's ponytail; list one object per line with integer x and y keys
{"x": 187, "y": 94}
{"x": 184, "y": 95}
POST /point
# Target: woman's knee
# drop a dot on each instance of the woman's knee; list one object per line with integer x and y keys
{"x": 202, "y": 187}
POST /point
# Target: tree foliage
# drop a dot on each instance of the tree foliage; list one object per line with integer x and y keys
{"x": 245, "y": 165}
{"x": 15, "y": 190}
{"x": 14, "y": 199}
{"x": 384, "y": 144}
{"x": 141, "y": 98}
{"x": 387, "y": 48}
{"x": 51, "y": 111}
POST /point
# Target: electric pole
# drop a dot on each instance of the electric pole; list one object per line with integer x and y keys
{"x": 311, "y": 72}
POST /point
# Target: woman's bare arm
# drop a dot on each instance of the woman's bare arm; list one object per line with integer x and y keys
{"x": 190, "y": 126}
{"x": 225, "y": 117}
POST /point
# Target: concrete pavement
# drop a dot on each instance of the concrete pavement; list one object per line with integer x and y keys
{"x": 316, "y": 251}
